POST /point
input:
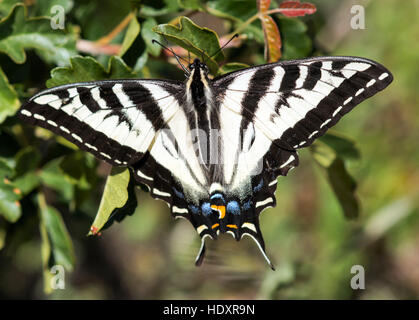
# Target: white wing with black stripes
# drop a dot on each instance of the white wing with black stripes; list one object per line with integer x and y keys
{"x": 114, "y": 120}
{"x": 211, "y": 148}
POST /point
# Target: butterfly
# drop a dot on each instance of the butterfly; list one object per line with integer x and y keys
{"x": 211, "y": 148}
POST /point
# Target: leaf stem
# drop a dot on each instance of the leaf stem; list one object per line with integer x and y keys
{"x": 121, "y": 26}
{"x": 244, "y": 25}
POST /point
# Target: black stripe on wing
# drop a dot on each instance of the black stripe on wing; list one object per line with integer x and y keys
{"x": 115, "y": 120}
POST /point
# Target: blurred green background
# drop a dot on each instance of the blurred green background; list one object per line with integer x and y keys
{"x": 150, "y": 256}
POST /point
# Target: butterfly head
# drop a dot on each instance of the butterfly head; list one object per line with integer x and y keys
{"x": 198, "y": 65}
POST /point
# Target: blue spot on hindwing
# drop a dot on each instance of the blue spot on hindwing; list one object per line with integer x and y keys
{"x": 194, "y": 209}
{"x": 217, "y": 196}
{"x": 233, "y": 207}
{"x": 178, "y": 193}
{"x": 259, "y": 186}
{"x": 247, "y": 205}
{"x": 206, "y": 209}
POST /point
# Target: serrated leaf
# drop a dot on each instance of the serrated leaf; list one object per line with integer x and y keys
{"x": 230, "y": 67}
{"x": 115, "y": 195}
{"x": 132, "y": 32}
{"x": 20, "y": 33}
{"x": 202, "y": 42}
{"x": 343, "y": 185}
{"x": 272, "y": 39}
{"x": 83, "y": 69}
{"x": 9, "y": 102}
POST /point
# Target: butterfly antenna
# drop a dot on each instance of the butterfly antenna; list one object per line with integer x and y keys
{"x": 178, "y": 58}
{"x": 225, "y": 44}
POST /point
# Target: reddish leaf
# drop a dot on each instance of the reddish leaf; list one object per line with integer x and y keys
{"x": 263, "y": 5}
{"x": 272, "y": 39}
{"x": 295, "y": 8}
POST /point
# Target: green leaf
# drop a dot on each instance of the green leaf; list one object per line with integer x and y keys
{"x": 9, "y": 102}
{"x": 19, "y": 33}
{"x": 27, "y": 159}
{"x": 118, "y": 214}
{"x": 57, "y": 247}
{"x": 27, "y": 182}
{"x": 43, "y": 8}
{"x": 79, "y": 168}
{"x": 10, "y": 194}
{"x": 230, "y": 67}
{"x": 52, "y": 176}
{"x": 98, "y": 18}
{"x": 238, "y": 10}
{"x": 62, "y": 248}
{"x": 190, "y": 4}
{"x": 3, "y": 234}
{"x": 114, "y": 196}
{"x": 344, "y": 146}
{"x": 149, "y": 35}
{"x": 9, "y": 202}
{"x": 202, "y": 42}
{"x": 153, "y": 8}
{"x": 343, "y": 185}
{"x": 6, "y": 6}
{"x": 295, "y": 41}
{"x": 83, "y": 69}
{"x": 6, "y": 170}
{"x": 132, "y": 32}
{"x": 140, "y": 63}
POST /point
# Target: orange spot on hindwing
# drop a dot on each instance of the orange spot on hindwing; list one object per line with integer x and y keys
{"x": 220, "y": 209}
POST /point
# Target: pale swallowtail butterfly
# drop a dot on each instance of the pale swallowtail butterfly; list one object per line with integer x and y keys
{"x": 211, "y": 148}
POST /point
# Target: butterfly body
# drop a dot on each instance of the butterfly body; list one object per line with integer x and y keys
{"x": 211, "y": 148}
